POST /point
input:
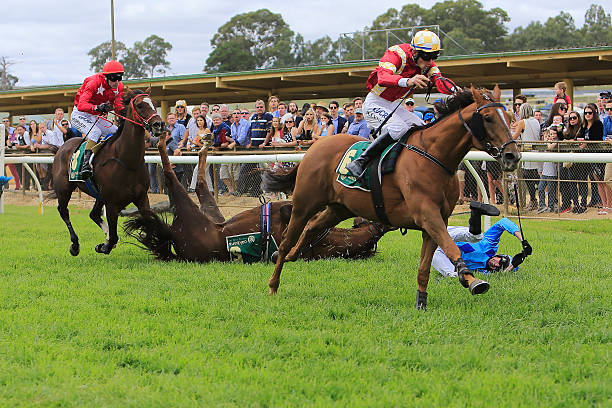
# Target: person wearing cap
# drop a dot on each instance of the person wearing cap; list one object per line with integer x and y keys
{"x": 409, "y": 105}
{"x": 428, "y": 117}
{"x": 99, "y": 94}
{"x": 320, "y": 110}
{"x": 359, "y": 127}
{"x": 401, "y": 69}
{"x": 4, "y": 181}
{"x": 602, "y": 100}
{"x": 478, "y": 250}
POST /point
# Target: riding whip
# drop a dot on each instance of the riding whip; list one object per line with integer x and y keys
{"x": 384, "y": 122}
{"x": 518, "y": 211}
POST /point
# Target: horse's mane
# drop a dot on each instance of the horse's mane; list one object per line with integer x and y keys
{"x": 454, "y": 103}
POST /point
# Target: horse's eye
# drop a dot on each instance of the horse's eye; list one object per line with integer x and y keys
{"x": 139, "y": 104}
{"x": 488, "y": 119}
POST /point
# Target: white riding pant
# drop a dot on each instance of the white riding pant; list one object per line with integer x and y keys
{"x": 440, "y": 261}
{"x": 91, "y": 125}
{"x": 376, "y": 109}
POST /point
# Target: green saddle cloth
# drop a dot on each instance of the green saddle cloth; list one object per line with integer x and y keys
{"x": 248, "y": 248}
{"x": 388, "y": 160}
{"x": 75, "y": 164}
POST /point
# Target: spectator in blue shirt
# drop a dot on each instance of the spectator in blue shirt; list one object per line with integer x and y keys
{"x": 240, "y": 129}
{"x": 260, "y": 124}
{"x": 359, "y": 126}
{"x": 176, "y": 132}
{"x": 249, "y": 179}
{"x": 607, "y": 122}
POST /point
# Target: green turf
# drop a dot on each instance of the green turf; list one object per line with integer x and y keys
{"x": 125, "y": 330}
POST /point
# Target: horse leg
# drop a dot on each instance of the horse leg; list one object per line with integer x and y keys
{"x": 327, "y": 218}
{"x": 299, "y": 217}
{"x": 436, "y": 228}
{"x": 111, "y": 217}
{"x": 427, "y": 250}
{"x": 96, "y": 216}
{"x": 63, "y": 198}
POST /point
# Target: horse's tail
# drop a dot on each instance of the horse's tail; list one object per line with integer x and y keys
{"x": 152, "y": 232}
{"x": 280, "y": 180}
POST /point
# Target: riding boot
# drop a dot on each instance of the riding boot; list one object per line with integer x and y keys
{"x": 358, "y": 166}
{"x": 477, "y": 210}
{"x": 86, "y": 170}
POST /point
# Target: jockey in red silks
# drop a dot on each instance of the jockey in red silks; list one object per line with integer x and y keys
{"x": 99, "y": 94}
{"x": 401, "y": 69}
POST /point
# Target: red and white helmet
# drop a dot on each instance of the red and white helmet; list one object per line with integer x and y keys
{"x": 112, "y": 67}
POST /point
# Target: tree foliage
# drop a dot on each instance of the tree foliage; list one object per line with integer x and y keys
{"x": 253, "y": 40}
{"x": 146, "y": 57}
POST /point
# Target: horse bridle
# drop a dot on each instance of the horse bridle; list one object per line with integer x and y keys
{"x": 477, "y": 129}
{"x": 144, "y": 123}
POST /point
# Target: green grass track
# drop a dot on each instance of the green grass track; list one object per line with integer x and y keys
{"x": 126, "y": 330}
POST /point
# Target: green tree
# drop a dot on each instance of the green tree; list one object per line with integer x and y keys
{"x": 557, "y": 32}
{"x": 144, "y": 58}
{"x": 7, "y": 80}
{"x": 253, "y": 40}
{"x": 319, "y": 52}
{"x": 154, "y": 50}
{"x": 597, "y": 27}
{"x": 102, "y": 53}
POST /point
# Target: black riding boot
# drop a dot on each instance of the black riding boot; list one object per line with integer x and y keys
{"x": 477, "y": 210}
{"x": 358, "y": 167}
{"x": 86, "y": 170}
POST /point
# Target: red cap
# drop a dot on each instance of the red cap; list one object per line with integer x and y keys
{"x": 112, "y": 67}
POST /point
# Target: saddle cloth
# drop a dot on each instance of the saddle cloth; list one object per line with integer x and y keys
{"x": 248, "y": 248}
{"x": 387, "y": 164}
{"x": 74, "y": 172}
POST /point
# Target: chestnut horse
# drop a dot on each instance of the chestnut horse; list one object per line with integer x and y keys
{"x": 420, "y": 194}
{"x": 197, "y": 234}
{"x": 120, "y": 172}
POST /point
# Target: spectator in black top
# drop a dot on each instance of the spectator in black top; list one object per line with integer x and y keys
{"x": 592, "y": 130}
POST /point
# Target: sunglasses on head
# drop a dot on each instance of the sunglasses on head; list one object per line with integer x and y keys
{"x": 114, "y": 77}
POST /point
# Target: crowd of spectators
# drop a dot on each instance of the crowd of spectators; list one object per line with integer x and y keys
{"x": 274, "y": 123}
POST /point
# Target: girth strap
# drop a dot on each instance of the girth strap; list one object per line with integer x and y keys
{"x": 427, "y": 156}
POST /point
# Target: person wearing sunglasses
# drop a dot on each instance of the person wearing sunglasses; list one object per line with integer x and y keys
{"x": 99, "y": 94}
{"x": 401, "y": 69}
{"x": 592, "y": 130}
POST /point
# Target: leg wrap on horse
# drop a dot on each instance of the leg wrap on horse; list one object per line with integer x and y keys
{"x": 461, "y": 270}
{"x": 421, "y": 300}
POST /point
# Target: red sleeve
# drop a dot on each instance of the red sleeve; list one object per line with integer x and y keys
{"x": 443, "y": 84}
{"x": 388, "y": 67}
{"x": 86, "y": 96}
{"x": 119, "y": 99}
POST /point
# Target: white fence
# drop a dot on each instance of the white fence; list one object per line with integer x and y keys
{"x": 296, "y": 157}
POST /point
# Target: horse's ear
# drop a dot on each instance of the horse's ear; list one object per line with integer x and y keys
{"x": 496, "y": 93}
{"x": 128, "y": 91}
{"x": 148, "y": 90}
{"x": 476, "y": 94}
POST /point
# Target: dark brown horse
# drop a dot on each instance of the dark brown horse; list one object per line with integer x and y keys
{"x": 420, "y": 194}
{"x": 198, "y": 234}
{"x": 120, "y": 172}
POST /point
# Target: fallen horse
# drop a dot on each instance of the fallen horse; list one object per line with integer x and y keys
{"x": 200, "y": 234}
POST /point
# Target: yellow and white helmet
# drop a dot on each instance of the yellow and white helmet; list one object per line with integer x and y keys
{"x": 426, "y": 41}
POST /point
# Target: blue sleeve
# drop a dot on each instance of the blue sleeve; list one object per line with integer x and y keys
{"x": 494, "y": 233}
{"x": 607, "y": 126}
{"x": 364, "y": 131}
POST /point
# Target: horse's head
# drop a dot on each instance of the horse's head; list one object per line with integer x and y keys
{"x": 142, "y": 110}
{"x": 489, "y": 127}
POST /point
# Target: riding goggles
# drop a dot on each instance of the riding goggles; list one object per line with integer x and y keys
{"x": 114, "y": 77}
{"x": 429, "y": 56}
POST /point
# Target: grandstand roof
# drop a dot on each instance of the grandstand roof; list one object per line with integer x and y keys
{"x": 511, "y": 70}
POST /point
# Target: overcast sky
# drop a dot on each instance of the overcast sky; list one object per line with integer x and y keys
{"x": 49, "y": 40}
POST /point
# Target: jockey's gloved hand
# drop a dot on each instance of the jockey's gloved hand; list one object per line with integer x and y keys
{"x": 527, "y": 250}
{"x": 518, "y": 259}
{"x": 104, "y": 107}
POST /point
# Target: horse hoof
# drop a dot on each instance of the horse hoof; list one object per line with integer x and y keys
{"x": 75, "y": 249}
{"x": 274, "y": 257}
{"x": 478, "y": 287}
{"x": 99, "y": 248}
{"x": 272, "y": 292}
{"x": 421, "y": 300}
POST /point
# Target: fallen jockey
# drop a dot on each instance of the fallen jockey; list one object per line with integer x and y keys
{"x": 479, "y": 251}
{"x": 99, "y": 94}
{"x": 4, "y": 181}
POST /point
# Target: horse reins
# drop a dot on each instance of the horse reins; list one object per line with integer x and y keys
{"x": 480, "y": 134}
{"x": 145, "y": 122}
